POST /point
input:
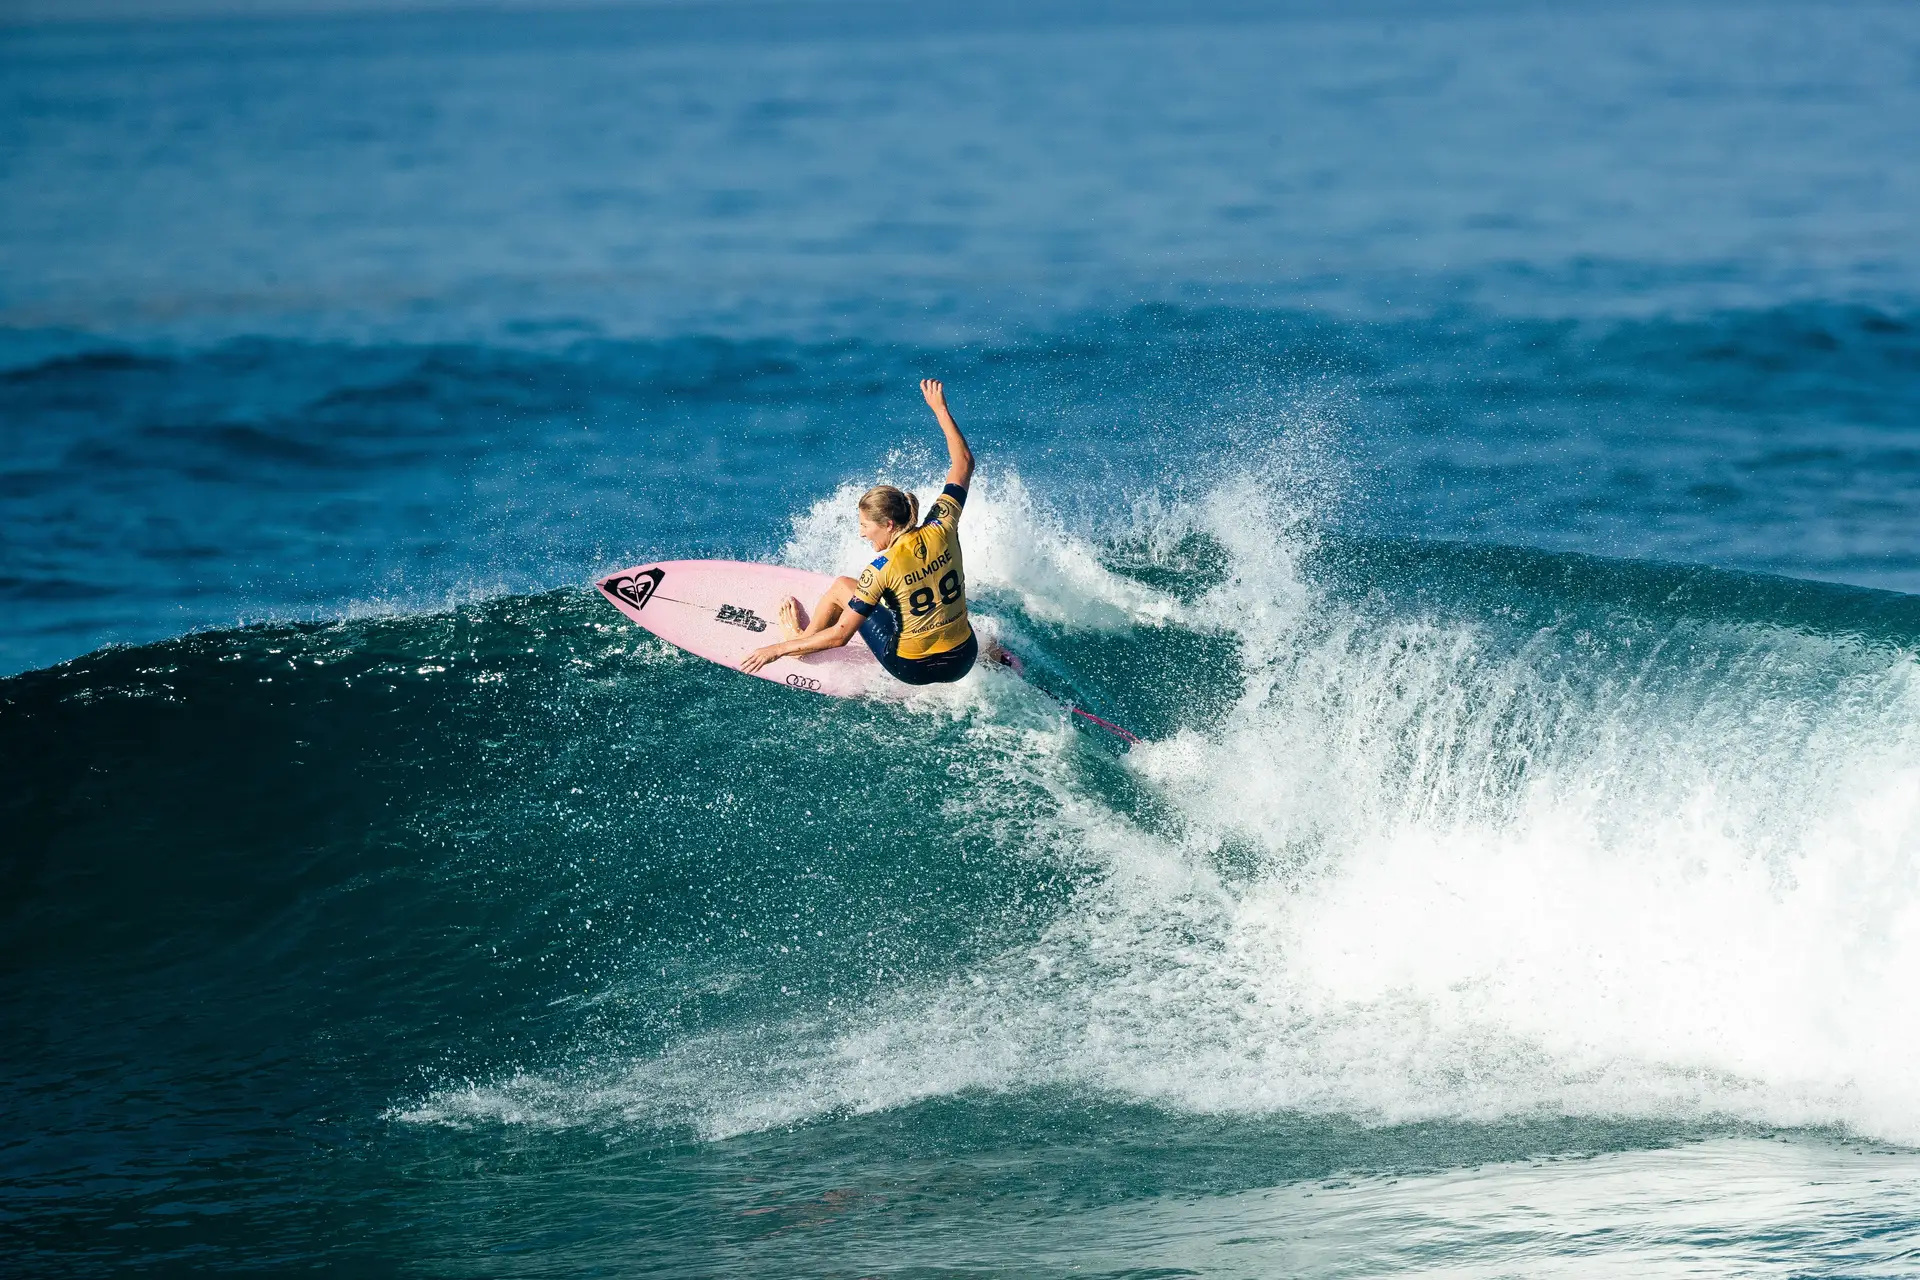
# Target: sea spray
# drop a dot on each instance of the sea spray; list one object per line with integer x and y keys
{"x": 1430, "y": 862}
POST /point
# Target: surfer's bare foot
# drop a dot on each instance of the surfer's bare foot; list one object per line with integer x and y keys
{"x": 792, "y": 621}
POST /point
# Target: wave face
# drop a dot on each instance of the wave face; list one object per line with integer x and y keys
{"x": 1434, "y": 855}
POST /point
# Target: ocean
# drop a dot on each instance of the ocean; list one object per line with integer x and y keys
{"x": 1476, "y": 447}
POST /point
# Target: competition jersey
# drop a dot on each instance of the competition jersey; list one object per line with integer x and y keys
{"x": 919, "y": 577}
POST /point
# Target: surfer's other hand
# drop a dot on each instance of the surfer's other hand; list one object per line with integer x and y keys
{"x": 936, "y": 395}
{"x": 759, "y": 658}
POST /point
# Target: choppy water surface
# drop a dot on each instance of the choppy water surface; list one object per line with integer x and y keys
{"x": 1483, "y": 475}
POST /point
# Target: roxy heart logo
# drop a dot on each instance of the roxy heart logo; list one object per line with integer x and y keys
{"x": 735, "y": 616}
{"x": 636, "y": 588}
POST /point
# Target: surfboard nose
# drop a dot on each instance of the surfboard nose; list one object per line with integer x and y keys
{"x": 632, "y": 587}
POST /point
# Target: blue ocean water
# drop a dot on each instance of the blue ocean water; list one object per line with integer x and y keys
{"x": 1475, "y": 447}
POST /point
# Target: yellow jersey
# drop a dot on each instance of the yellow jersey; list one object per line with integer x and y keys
{"x": 920, "y": 578}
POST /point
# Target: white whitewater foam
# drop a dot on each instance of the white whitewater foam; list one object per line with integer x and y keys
{"x": 1010, "y": 543}
{"x": 1468, "y": 880}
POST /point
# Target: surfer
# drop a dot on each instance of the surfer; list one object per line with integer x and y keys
{"x": 910, "y": 603}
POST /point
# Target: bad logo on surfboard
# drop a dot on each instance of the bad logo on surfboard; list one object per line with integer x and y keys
{"x": 734, "y": 615}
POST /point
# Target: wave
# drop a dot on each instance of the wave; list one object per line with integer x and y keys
{"x": 1578, "y": 838}
{"x": 1421, "y": 831}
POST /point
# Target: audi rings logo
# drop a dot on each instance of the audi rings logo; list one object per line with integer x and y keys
{"x": 804, "y": 682}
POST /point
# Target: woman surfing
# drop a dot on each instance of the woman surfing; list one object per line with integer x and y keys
{"x": 910, "y": 603}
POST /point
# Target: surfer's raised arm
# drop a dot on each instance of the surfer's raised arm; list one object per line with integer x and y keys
{"x": 961, "y": 470}
{"x": 910, "y": 603}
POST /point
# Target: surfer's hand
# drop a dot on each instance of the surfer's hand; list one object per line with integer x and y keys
{"x": 759, "y": 658}
{"x": 936, "y": 395}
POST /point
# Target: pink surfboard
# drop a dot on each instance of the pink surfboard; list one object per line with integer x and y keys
{"x": 722, "y": 610}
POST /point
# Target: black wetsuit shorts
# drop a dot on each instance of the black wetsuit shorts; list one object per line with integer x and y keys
{"x": 881, "y": 631}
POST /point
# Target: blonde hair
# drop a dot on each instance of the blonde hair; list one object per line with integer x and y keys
{"x": 883, "y": 502}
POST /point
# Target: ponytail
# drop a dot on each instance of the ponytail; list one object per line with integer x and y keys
{"x": 883, "y": 502}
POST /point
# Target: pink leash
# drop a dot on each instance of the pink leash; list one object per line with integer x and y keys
{"x": 1012, "y": 662}
{"x": 1108, "y": 725}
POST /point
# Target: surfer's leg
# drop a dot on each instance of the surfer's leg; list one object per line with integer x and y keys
{"x": 825, "y": 614}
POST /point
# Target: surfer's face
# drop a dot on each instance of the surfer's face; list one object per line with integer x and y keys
{"x": 880, "y": 536}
